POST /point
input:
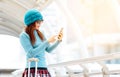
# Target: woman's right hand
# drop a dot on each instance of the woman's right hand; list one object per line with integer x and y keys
{"x": 52, "y": 39}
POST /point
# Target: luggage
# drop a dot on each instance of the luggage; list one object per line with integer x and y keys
{"x": 29, "y": 63}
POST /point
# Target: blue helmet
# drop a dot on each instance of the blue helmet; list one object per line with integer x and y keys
{"x": 31, "y": 16}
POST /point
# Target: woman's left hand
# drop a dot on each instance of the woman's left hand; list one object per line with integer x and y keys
{"x": 52, "y": 39}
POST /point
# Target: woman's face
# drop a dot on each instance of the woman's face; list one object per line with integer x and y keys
{"x": 38, "y": 24}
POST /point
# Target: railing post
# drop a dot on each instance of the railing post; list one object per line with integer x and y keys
{"x": 56, "y": 73}
{"x": 105, "y": 70}
{"x": 60, "y": 71}
{"x": 70, "y": 73}
{"x": 85, "y": 71}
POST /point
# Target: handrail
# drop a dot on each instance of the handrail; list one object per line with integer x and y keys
{"x": 87, "y": 60}
{"x": 99, "y": 59}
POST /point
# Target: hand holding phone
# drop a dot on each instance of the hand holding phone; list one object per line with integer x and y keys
{"x": 60, "y": 35}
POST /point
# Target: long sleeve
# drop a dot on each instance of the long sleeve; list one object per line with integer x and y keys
{"x": 25, "y": 41}
{"x": 51, "y": 47}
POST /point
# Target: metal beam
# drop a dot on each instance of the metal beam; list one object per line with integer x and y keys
{"x": 88, "y": 60}
{"x": 22, "y": 5}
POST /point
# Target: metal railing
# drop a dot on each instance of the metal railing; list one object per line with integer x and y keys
{"x": 105, "y": 72}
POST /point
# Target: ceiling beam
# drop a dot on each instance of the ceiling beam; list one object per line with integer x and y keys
{"x": 7, "y": 31}
{"x": 19, "y": 3}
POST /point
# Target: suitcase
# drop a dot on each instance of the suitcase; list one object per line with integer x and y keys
{"x": 29, "y": 63}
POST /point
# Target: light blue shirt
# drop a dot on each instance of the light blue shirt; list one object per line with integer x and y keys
{"x": 37, "y": 50}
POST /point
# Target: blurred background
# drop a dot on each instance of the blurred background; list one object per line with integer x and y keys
{"x": 91, "y": 28}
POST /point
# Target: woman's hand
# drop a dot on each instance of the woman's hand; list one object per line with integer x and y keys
{"x": 52, "y": 39}
{"x": 59, "y": 37}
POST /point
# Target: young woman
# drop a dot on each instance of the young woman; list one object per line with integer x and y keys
{"x": 35, "y": 44}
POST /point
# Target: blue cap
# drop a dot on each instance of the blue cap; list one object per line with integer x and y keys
{"x": 31, "y": 16}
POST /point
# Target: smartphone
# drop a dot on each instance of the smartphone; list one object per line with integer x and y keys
{"x": 60, "y": 32}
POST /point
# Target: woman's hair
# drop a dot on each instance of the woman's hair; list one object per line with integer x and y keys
{"x": 30, "y": 31}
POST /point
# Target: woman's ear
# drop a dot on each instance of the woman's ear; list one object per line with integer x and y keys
{"x": 35, "y": 23}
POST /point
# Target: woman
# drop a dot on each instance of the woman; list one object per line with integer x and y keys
{"x": 35, "y": 44}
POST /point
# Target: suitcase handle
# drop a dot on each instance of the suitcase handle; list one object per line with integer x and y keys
{"x": 29, "y": 62}
{"x": 33, "y": 59}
